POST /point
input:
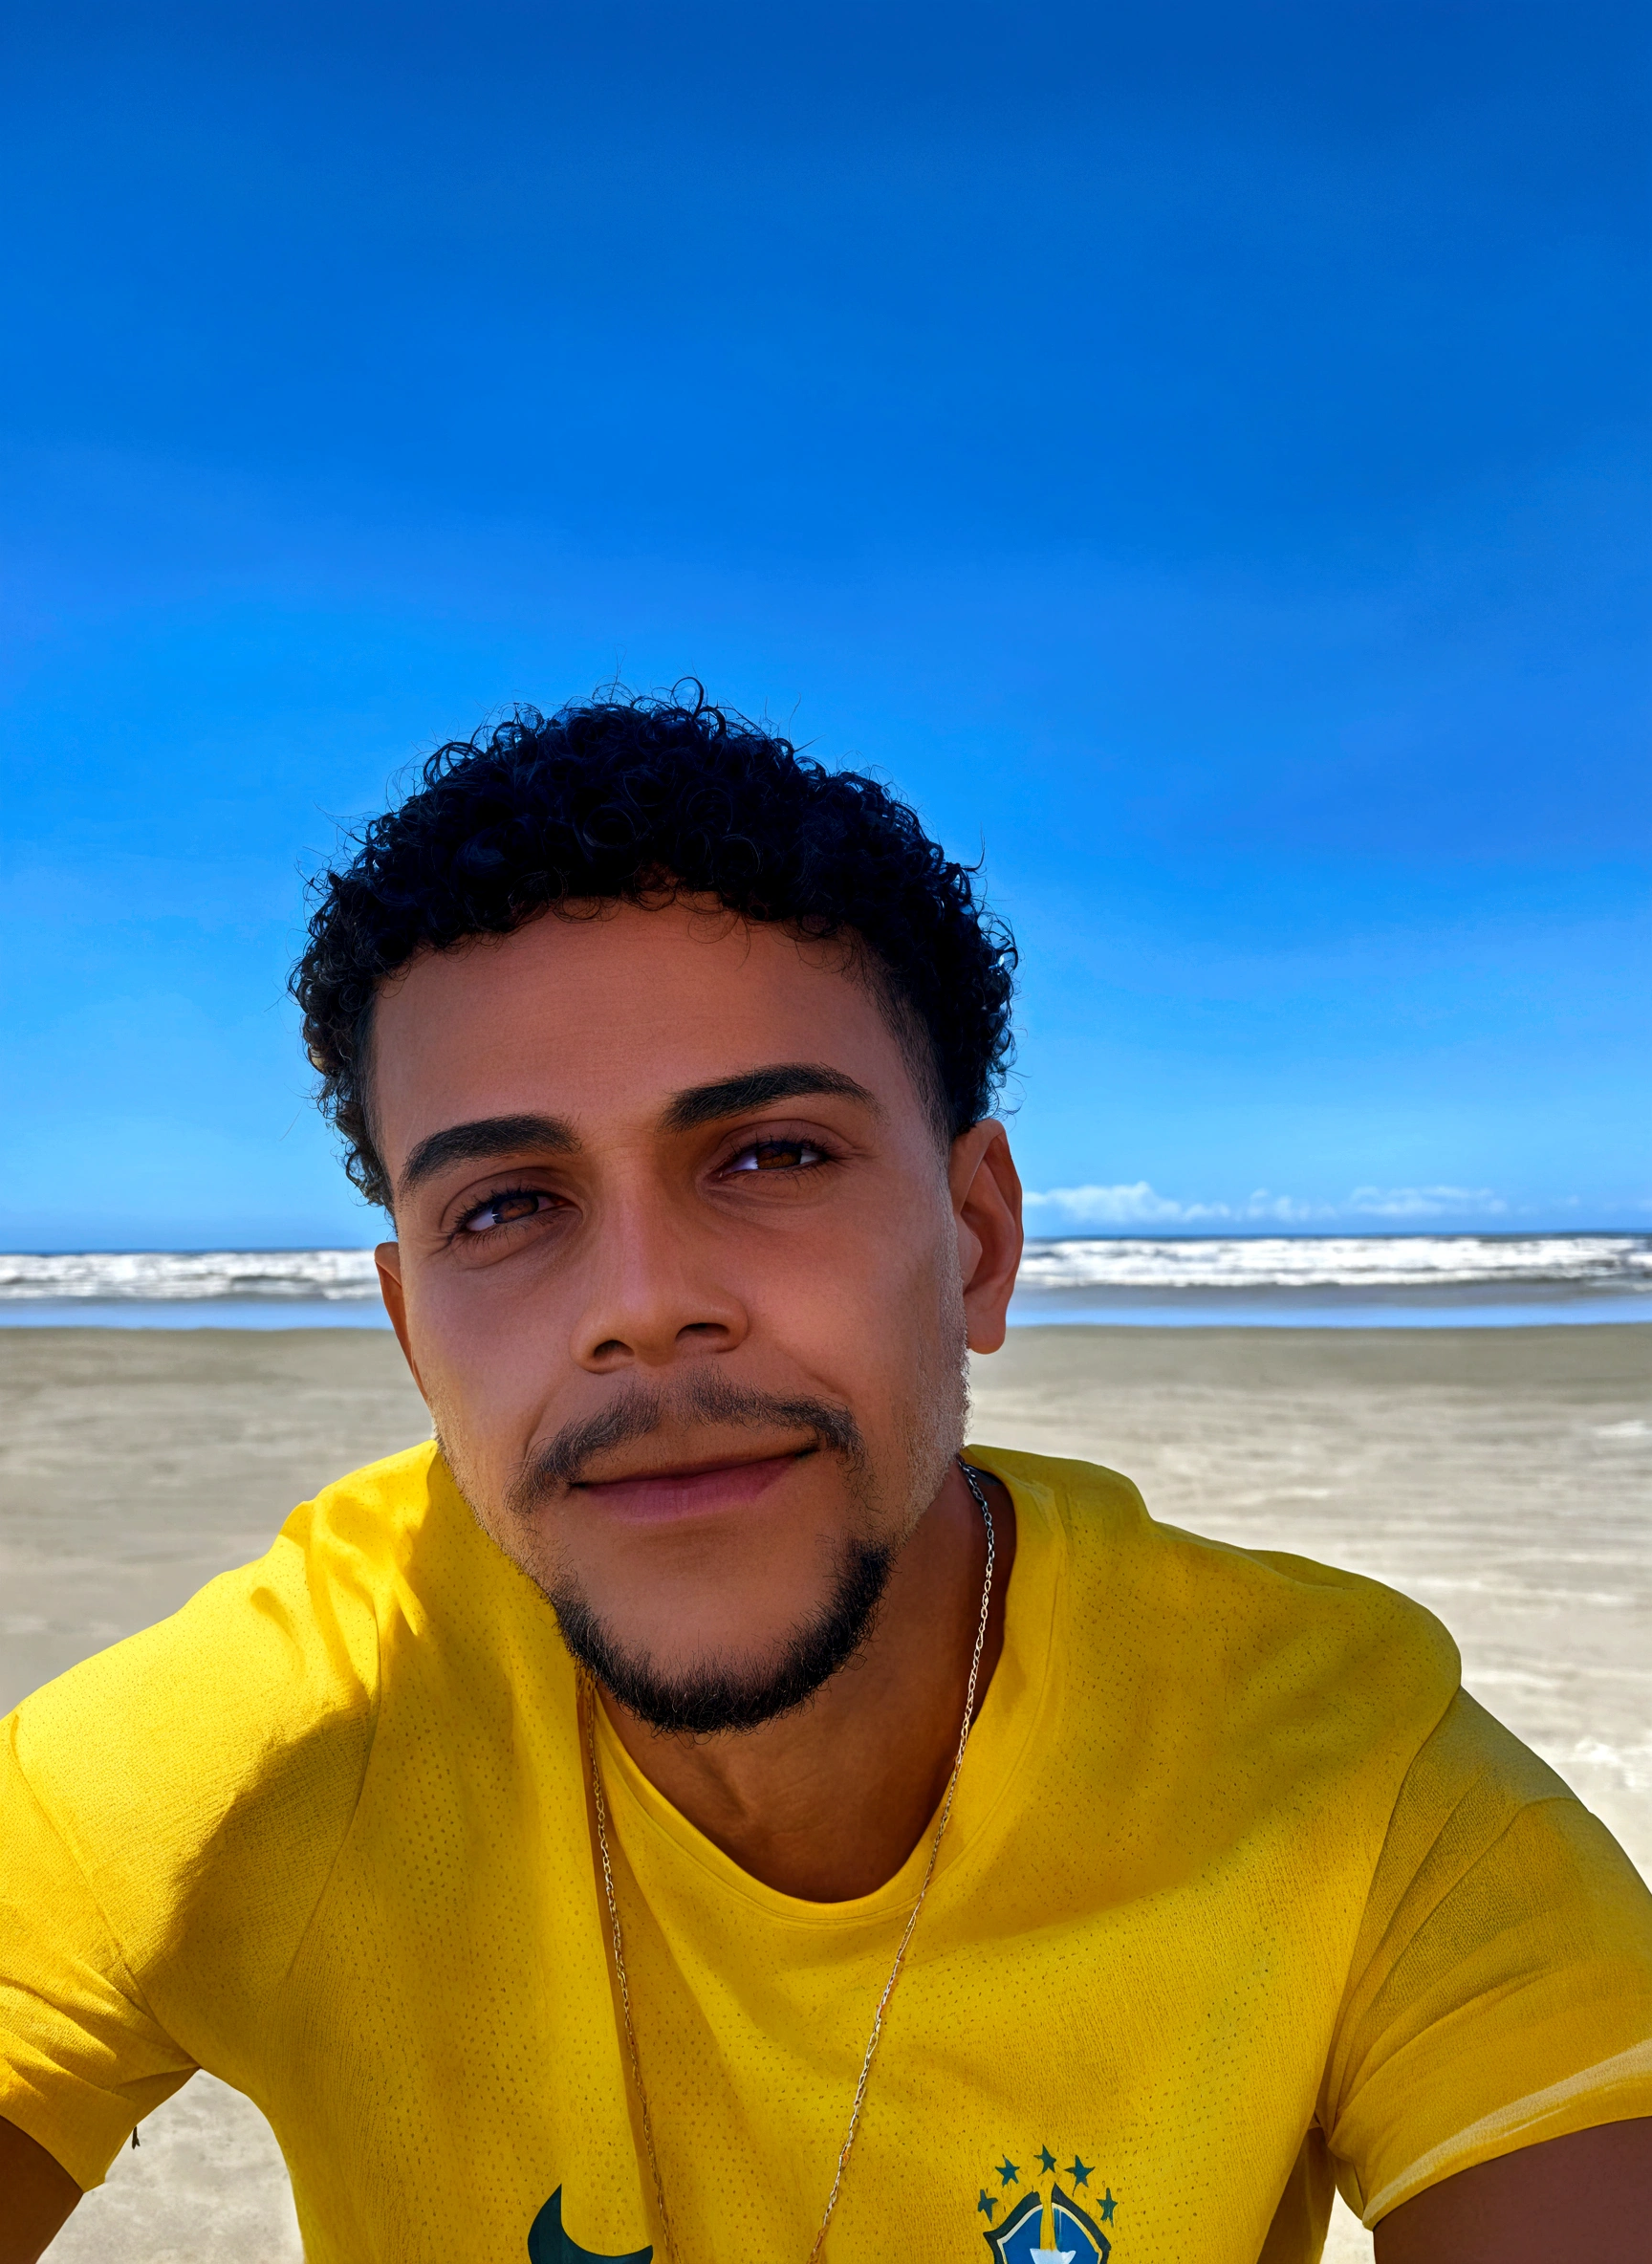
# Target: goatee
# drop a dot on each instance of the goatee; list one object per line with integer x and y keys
{"x": 711, "y": 1696}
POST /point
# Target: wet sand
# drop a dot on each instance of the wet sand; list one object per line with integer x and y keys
{"x": 1504, "y": 1477}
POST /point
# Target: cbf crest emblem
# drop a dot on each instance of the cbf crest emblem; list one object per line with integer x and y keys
{"x": 1040, "y": 2220}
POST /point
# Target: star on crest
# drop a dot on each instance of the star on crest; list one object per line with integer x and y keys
{"x": 1079, "y": 2172}
{"x": 1009, "y": 2172}
{"x": 1108, "y": 2206}
{"x": 987, "y": 2204}
{"x": 1047, "y": 2159}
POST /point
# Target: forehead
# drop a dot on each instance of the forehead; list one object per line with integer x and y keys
{"x": 601, "y": 1017}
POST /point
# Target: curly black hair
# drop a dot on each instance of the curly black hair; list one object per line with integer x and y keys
{"x": 638, "y": 800}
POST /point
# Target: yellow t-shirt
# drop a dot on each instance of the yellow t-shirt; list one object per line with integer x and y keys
{"x": 1239, "y": 1894}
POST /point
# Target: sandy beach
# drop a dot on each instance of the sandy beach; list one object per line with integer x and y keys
{"x": 1502, "y": 1476}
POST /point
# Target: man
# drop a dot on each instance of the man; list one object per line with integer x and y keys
{"x": 567, "y": 1834}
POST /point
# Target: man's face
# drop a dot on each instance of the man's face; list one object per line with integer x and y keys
{"x": 687, "y": 1277}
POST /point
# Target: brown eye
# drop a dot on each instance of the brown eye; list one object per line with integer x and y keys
{"x": 778, "y": 1155}
{"x": 503, "y": 1211}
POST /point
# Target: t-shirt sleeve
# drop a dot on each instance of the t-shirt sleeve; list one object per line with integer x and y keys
{"x": 83, "y": 2059}
{"x": 169, "y": 1814}
{"x": 1500, "y": 1993}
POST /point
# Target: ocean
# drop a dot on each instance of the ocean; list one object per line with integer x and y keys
{"x": 1260, "y": 1281}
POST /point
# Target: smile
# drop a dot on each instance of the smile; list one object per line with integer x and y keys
{"x": 657, "y": 1497}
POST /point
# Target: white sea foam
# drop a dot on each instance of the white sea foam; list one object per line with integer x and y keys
{"x": 1416, "y": 1265}
{"x": 1493, "y": 1263}
{"x": 168, "y": 1277}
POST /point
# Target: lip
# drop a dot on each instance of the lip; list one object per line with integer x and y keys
{"x": 689, "y": 1490}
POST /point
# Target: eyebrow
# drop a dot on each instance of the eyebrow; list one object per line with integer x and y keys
{"x": 760, "y": 1088}
{"x": 486, "y": 1136}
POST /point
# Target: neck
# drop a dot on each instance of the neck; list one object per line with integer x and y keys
{"x": 829, "y": 1801}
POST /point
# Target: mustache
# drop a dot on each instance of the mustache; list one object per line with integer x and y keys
{"x": 641, "y": 1410}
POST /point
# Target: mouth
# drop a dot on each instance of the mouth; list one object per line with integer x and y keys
{"x": 684, "y": 1490}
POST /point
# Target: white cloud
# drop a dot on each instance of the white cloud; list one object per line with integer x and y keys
{"x": 1286, "y": 1210}
{"x": 1138, "y": 1204}
{"x": 1135, "y": 1205}
{"x": 1424, "y": 1202}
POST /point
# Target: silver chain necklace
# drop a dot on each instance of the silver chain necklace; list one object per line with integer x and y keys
{"x": 600, "y": 1805}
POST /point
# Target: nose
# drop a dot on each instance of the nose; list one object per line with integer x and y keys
{"x": 657, "y": 1292}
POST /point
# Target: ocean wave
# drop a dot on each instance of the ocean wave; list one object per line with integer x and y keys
{"x": 166, "y": 1277}
{"x": 1416, "y": 1262}
{"x": 1396, "y": 1264}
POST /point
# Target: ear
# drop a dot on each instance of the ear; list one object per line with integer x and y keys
{"x": 985, "y": 1189}
{"x": 387, "y": 1257}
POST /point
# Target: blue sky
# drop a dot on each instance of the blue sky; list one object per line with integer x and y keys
{"x": 1198, "y": 452}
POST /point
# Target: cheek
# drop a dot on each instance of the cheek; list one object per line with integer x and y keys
{"x": 486, "y": 1388}
{"x": 871, "y": 1309}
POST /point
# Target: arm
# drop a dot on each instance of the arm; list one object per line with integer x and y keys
{"x": 35, "y": 2197}
{"x": 1586, "y": 2195}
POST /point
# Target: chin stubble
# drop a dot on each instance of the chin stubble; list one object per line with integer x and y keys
{"x": 711, "y": 1697}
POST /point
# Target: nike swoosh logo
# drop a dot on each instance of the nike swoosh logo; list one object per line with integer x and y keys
{"x": 548, "y": 2244}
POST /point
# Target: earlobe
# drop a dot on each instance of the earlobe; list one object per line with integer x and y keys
{"x": 986, "y": 1202}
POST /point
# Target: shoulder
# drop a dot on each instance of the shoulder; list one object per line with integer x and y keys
{"x": 1267, "y": 1665}
{"x": 228, "y": 1743}
{"x": 1246, "y": 1603}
